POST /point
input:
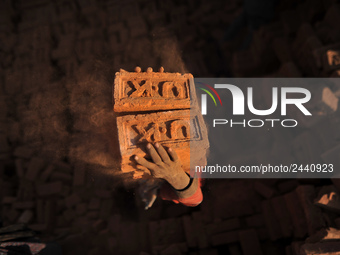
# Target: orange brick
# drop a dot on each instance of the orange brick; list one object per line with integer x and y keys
{"x": 149, "y": 91}
{"x": 170, "y": 128}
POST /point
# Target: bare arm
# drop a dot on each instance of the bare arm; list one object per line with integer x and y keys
{"x": 166, "y": 165}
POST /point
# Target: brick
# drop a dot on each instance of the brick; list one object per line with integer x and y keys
{"x": 103, "y": 193}
{"x": 72, "y": 200}
{"x": 79, "y": 175}
{"x": 313, "y": 215}
{"x": 200, "y": 230}
{"x": 94, "y": 204}
{"x": 149, "y": 91}
{"x": 271, "y": 222}
{"x": 328, "y": 248}
{"x": 92, "y": 215}
{"x": 81, "y": 208}
{"x": 50, "y": 213}
{"x": 287, "y": 186}
{"x": 63, "y": 167}
{"x": 34, "y": 167}
{"x": 282, "y": 214}
{"x": 24, "y": 204}
{"x": 23, "y": 152}
{"x": 332, "y": 16}
{"x": 171, "y": 250}
{"x": 46, "y": 173}
{"x": 223, "y": 226}
{"x": 26, "y": 216}
{"x": 40, "y": 217}
{"x": 128, "y": 235}
{"x": 136, "y": 130}
{"x": 296, "y": 213}
{"x": 69, "y": 214}
{"x": 328, "y": 199}
{"x": 328, "y": 57}
{"x": 4, "y": 147}
{"x": 19, "y": 168}
{"x": 263, "y": 233}
{"x": 48, "y": 189}
{"x": 8, "y": 200}
{"x": 337, "y": 222}
{"x": 189, "y": 231}
{"x": 250, "y": 242}
{"x": 323, "y": 235}
{"x": 234, "y": 249}
{"x": 255, "y": 221}
{"x": 105, "y": 208}
{"x": 263, "y": 190}
{"x": 38, "y": 227}
{"x": 225, "y": 238}
{"x": 289, "y": 69}
{"x": 58, "y": 176}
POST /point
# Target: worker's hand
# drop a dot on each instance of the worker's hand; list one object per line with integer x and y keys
{"x": 165, "y": 165}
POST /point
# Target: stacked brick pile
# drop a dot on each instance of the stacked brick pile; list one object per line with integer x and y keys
{"x": 170, "y": 115}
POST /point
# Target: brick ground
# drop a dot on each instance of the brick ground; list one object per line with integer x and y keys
{"x": 59, "y": 159}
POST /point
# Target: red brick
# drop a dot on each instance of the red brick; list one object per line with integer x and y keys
{"x": 19, "y": 168}
{"x": 263, "y": 233}
{"x": 26, "y": 216}
{"x": 23, "y": 152}
{"x": 38, "y": 227}
{"x": 134, "y": 132}
{"x": 72, "y": 200}
{"x": 324, "y": 235}
{"x": 223, "y": 226}
{"x": 313, "y": 215}
{"x": 149, "y": 91}
{"x": 105, "y": 208}
{"x": 263, "y": 190}
{"x": 296, "y": 213}
{"x": 58, "y": 176}
{"x": 234, "y": 249}
{"x": 327, "y": 248}
{"x": 271, "y": 222}
{"x": 225, "y": 238}
{"x": 50, "y": 213}
{"x": 200, "y": 230}
{"x": 255, "y": 221}
{"x": 8, "y": 200}
{"x": 189, "y": 231}
{"x": 143, "y": 237}
{"x": 48, "y": 189}
{"x": 328, "y": 199}
{"x": 98, "y": 225}
{"x": 40, "y": 218}
{"x": 4, "y": 147}
{"x": 24, "y": 204}
{"x": 63, "y": 167}
{"x": 79, "y": 176}
{"x": 94, "y": 204}
{"x": 250, "y": 242}
{"x": 81, "y": 208}
{"x": 69, "y": 214}
{"x": 103, "y": 193}
{"x": 34, "y": 167}
{"x": 282, "y": 214}
{"x": 46, "y": 173}
{"x": 287, "y": 186}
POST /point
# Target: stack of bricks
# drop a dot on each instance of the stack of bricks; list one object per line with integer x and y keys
{"x": 43, "y": 44}
{"x": 162, "y": 107}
